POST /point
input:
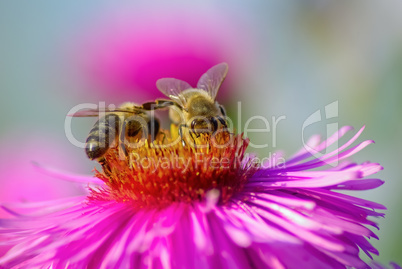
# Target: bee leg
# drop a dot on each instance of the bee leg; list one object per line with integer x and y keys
{"x": 123, "y": 154}
{"x": 105, "y": 166}
{"x": 130, "y": 129}
{"x": 153, "y": 128}
{"x": 222, "y": 121}
{"x": 214, "y": 125}
{"x": 164, "y": 136}
{"x": 193, "y": 123}
{"x": 224, "y": 125}
{"x": 157, "y": 104}
{"x": 181, "y": 134}
{"x": 197, "y": 135}
{"x": 122, "y": 147}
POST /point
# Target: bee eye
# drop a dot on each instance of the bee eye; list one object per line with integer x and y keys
{"x": 214, "y": 124}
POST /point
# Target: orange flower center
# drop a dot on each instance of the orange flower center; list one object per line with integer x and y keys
{"x": 166, "y": 171}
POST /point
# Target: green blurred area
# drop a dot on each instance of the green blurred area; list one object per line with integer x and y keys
{"x": 308, "y": 54}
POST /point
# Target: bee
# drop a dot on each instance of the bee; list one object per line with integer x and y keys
{"x": 194, "y": 108}
{"x": 121, "y": 127}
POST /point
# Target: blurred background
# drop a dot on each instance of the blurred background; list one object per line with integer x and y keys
{"x": 287, "y": 59}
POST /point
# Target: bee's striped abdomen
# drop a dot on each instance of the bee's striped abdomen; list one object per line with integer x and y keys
{"x": 102, "y": 135}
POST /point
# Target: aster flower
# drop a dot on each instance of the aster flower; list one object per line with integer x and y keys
{"x": 204, "y": 207}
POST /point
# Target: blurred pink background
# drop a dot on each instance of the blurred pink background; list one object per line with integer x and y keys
{"x": 21, "y": 182}
{"x": 122, "y": 53}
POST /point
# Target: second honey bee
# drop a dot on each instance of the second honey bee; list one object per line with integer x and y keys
{"x": 122, "y": 128}
{"x": 194, "y": 108}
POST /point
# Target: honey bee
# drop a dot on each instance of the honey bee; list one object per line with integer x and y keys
{"x": 194, "y": 108}
{"x": 119, "y": 127}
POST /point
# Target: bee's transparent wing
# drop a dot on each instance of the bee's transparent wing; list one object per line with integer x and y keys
{"x": 172, "y": 88}
{"x": 213, "y": 78}
{"x": 97, "y": 112}
{"x": 86, "y": 113}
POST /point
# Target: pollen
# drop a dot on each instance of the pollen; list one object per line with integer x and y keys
{"x": 167, "y": 170}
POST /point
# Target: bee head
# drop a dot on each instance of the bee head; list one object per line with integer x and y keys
{"x": 207, "y": 125}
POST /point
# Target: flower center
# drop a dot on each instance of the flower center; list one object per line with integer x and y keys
{"x": 166, "y": 171}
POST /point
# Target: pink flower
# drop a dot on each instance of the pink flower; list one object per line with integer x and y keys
{"x": 236, "y": 215}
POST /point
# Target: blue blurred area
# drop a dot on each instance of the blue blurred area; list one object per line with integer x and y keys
{"x": 300, "y": 57}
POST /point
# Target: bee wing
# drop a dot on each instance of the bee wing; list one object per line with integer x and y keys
{"x": 212, "y": 79}
{"x": 96, "y": 112}
{"x": 173, "y": 88}
{"x": 85, "y": 113}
